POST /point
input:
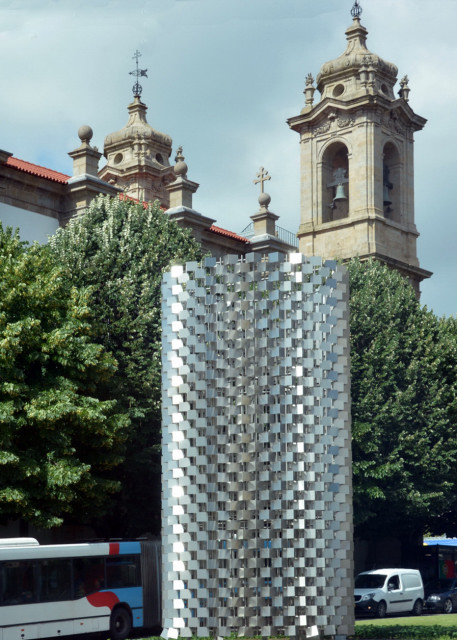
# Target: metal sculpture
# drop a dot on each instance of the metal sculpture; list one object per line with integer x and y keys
{"x": 257, "y": 509}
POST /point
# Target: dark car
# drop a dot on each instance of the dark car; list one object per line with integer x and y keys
{"x": 441, "y": 595}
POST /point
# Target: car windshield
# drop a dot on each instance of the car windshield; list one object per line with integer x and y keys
{"x": 369, "y": 581}
{"x": 442, "y": 584}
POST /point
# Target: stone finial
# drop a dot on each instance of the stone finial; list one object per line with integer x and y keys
{"x": 85, "y": 157}
{"x": 404, "y": 89}
{"x": 264, "y": 220}
{"x": 309, "y": 90}
{"x": 264, "y": 201}
{"x": 85, "y": 133}
{"x": 264, "y": 198}
{"x": 180, "y": 168}
{"x": 182, "y": 188}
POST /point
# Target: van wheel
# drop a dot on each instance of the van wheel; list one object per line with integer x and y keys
{"x": 447, "y": 606}
{"x": 381, "y": 610}
{"x": 417, "y": 609}
{"x": 120, "y": 624}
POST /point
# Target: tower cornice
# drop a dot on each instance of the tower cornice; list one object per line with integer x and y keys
{"x": 331, "y": 108}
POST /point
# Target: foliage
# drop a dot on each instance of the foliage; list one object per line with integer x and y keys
{"x": 121, "y": 249}
{"x": 58, "y": 435}
{"x": 425, "y": 628}
{"x": 403, "y": 364}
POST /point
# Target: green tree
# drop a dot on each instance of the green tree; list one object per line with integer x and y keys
{"x": 403, "y": 380}
{"x": 58, "y": 434}
{"x": 121, "y": 249}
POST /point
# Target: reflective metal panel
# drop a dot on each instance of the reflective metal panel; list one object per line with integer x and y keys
{"x": 257, "y": 504}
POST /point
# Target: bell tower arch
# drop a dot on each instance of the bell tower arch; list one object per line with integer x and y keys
{"x": 357, "y": 169}
{"x": 334, "y": 181}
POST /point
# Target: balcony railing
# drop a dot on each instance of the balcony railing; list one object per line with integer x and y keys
{"x": 280, "y": 233}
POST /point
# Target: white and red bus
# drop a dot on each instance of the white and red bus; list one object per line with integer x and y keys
{"x": 59, "y": 590}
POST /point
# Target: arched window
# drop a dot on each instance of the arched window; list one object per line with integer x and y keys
{"x": 335, "y": 183}
{"x": 391, "y": 183}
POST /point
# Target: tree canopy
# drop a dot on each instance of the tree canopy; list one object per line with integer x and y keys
{"x": 59, "y": 432}
{"x": 404, "y": 389}
{"x": 68, "y": 408}
{"x": 121, "y": 250}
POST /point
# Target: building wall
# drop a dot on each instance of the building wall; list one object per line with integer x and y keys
{"x": 32, "y": 226}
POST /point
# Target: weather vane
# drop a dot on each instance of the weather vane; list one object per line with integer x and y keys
{"x": 356, "y": 10}
{"x": 138, "y": 73}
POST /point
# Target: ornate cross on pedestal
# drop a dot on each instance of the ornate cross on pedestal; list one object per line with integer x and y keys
{"x": 137, "y": 88}
{"x": 262, "y": 177}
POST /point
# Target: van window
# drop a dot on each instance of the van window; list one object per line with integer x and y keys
{"x": 370, "y": 581}
{"x": 411, "y": 581}
{"x": 393, "y": 583}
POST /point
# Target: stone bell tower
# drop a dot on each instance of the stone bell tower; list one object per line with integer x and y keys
{"x": 357, "y": 171}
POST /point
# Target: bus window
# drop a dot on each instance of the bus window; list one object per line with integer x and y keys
{"x": 55, "y": 579}
{"x": 123, "y": 571}
{"x": 88, "y": 576}
{"x": 19, "y": 582}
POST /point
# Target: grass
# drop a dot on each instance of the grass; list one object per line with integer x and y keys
{"x": 427, "y": 627}
{"x": 448, "y": 620}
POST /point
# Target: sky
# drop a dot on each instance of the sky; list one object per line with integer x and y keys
{"x": 223, "y": 77}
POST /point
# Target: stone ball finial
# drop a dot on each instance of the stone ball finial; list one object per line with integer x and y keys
{"x": 85, "y": 133}
{"x": 264, "y": 199}
{"x": 180, "y": 168}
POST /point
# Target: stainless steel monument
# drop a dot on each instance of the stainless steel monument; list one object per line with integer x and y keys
{"x": 257, "y": 503}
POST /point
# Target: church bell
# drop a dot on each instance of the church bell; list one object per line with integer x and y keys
{"x": 386, "y": 196}
{"x": 340, "y": 194}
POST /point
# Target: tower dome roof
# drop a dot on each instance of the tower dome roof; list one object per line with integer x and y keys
{"x": 137, "y": 127}
{"x": 356, "y": 69}
{"x": 138, "y": 158}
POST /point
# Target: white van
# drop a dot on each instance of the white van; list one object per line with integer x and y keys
{"x": 387, "y": 591}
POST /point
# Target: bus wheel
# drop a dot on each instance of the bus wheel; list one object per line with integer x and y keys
{"x": 120, "y": 624}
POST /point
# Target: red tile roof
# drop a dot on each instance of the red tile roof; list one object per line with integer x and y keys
{"x": 213, "y": 228}
{"x": 124, "y": 196}
{"x": 228, "y": 234}
{"x": 36, "y": 170}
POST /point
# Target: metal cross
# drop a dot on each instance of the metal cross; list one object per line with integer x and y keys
{"x": 137, "y": 88}
{"x": 262, "y": 177}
